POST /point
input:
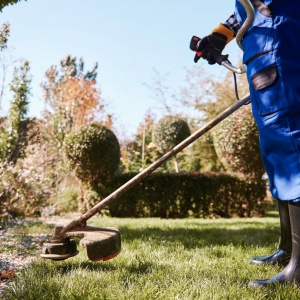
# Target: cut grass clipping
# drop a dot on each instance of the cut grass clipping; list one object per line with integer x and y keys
{"x": 164, "y": 259}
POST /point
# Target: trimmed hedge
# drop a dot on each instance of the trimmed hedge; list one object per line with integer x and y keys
{"x": 93, "y": 151}
{"x": 236, "y": 142}
{"x": 168, "y": 132}
{"x": 180, "y": 195}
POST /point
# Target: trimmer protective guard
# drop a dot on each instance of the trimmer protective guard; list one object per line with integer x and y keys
{"x": 100, "y": 243}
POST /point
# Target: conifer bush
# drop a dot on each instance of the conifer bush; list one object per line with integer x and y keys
{"x": 93, "y": 151}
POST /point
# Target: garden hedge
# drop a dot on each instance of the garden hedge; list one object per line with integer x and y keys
{"x": 181, "y": 195}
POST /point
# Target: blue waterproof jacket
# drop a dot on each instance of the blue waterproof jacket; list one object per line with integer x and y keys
{"x": 272, "y": 55}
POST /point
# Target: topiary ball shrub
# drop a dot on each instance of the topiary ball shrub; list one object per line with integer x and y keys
{"x": 236, "y": 142}
{"x": 168, "y": 132}
{"x": 93, "y": 151}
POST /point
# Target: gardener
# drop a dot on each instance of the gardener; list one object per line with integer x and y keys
{"x": 271, "y": 53}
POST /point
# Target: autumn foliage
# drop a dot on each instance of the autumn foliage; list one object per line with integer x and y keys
{"x": 80, "y": 99}
{"x": 73, "y": 97}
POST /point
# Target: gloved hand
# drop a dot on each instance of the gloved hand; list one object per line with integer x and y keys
{"x": 218, "y": 39}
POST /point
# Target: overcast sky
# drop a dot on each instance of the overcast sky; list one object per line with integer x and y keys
{"x": 128, "y": 38}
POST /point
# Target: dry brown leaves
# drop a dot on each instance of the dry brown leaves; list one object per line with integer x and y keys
{"x": 7, "y": 275}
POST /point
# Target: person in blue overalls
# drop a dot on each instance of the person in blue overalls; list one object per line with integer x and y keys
{"x": 271, "y": 53}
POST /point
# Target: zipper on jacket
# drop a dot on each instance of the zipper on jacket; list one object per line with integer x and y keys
{"x": 257, "y": 56}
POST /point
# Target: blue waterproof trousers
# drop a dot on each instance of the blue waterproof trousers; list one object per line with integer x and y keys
{"x": 272, "y": 55}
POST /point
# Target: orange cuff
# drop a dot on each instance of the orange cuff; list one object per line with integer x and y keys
{"x": 225, "y": 31}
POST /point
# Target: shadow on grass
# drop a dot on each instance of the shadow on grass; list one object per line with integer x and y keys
{"x": 138, "y": 267}
{"x": 197, "y": 238}
{"x": 271, "y": 214}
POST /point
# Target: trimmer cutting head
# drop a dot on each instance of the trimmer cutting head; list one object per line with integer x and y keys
{"x": 59, "y": 251}
{"x": 100, "y": 243}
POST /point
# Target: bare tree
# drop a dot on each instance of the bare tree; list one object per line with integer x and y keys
{"x": 160, "y": 91}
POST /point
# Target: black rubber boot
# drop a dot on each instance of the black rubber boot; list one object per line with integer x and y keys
{"x": 291, "y": 273}
{"x": 283, "y": 254}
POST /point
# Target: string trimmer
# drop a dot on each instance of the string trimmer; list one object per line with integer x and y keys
{"x": 105, "y": 243}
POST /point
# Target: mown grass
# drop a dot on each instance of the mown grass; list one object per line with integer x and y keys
{"x": 165, "y": 259}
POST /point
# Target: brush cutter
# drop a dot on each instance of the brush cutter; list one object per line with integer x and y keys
{"x": 105, "y": 243}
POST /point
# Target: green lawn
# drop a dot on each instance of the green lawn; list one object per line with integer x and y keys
{"x": 165, "y": 259}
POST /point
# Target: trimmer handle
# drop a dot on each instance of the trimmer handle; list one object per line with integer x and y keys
{"x": 223, "y": 59}
{"x": 217, "y": 56}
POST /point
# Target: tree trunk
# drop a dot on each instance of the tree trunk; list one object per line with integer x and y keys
{"x": 176, "y": 164}
{"x": 143, "y": 148}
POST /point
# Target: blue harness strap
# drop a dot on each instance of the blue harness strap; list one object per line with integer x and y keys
{"x": 271, "y": 53}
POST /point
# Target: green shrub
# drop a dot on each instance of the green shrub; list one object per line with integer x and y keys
{"x": 236, "y": 142}
{"x": 93, "y": 151}
{"x": 168, "y": 132}
{"x": 180, "y": 195}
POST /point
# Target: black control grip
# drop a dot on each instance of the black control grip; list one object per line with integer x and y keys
{"x": 217, "y": 55}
